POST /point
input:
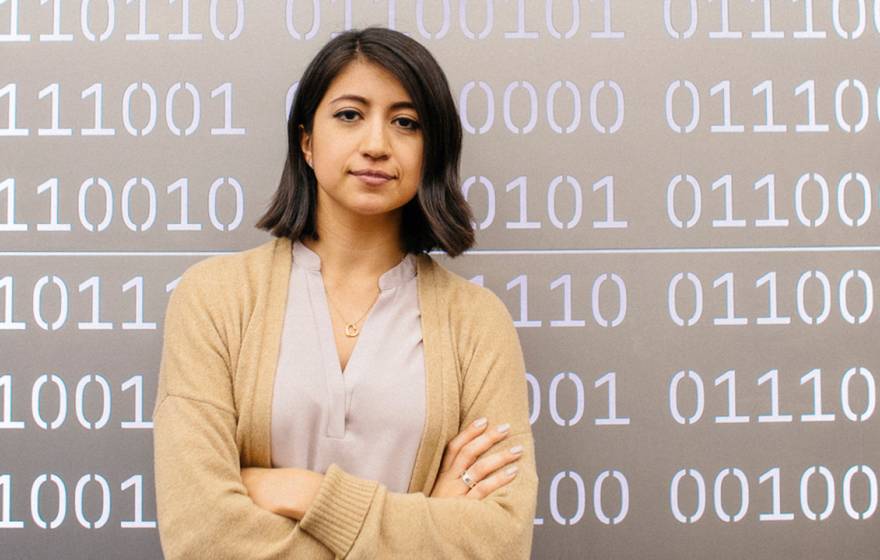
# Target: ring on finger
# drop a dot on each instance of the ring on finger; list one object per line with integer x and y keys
{"x": 467, "y": 479}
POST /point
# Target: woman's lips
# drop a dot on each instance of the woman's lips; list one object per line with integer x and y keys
{"x": 372, "y": 180}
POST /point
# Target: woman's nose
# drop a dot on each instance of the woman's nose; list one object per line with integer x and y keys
{"x": 375, "y": 140}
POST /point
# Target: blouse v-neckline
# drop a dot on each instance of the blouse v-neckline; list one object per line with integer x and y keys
{"x": 441, "y": 378}
{"x": 390, "y": 280}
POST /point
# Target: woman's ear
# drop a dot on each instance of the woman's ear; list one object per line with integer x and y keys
{"x": 305, "y": 144}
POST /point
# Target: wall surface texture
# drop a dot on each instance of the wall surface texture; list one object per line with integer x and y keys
{"x": 676, "y": 199}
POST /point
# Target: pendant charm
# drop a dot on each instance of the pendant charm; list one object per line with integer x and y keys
{"x": 351, "y": 330}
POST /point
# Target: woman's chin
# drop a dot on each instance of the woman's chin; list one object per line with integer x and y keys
{"x": 373, "y": 211}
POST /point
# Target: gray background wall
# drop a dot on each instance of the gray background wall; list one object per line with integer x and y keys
{"x": 678, "y": 201}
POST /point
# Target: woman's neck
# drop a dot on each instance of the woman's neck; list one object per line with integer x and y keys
{"x": 352, "y": 252}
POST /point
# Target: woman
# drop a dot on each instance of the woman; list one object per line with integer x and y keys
{"x": 327, "y": 394}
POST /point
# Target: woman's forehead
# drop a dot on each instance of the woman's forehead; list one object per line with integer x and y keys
{"x": 369, "y": 84}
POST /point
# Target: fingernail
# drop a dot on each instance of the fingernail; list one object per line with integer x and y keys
{"x": 516, "y": 449}
{"x": 503, "y": 428}
{"x": 481, "y": 422}
{"x": 511, "y": 470}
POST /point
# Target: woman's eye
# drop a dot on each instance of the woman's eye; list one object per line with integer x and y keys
{"x": 408, "y": 123}
{"x": 349, "y": 113}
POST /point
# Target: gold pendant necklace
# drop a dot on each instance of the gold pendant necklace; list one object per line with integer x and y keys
{"x": 351, "y": 329}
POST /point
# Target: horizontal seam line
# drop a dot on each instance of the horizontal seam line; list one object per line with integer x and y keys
{"x": 193, "y": 399}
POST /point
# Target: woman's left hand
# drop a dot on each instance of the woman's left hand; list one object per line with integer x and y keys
{"x": 465, "y": 451}
{"x": 288, "y": 492}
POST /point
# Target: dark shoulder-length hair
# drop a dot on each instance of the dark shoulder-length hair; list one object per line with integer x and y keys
{"x": 438, "y": 216}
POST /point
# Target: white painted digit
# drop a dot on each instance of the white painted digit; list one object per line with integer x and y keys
{"x": 36, "y": 394}
{"x": 801, "y": 297}
{"x": 8, "y": 185}
{"x": 6, "y": 521}
{"x": 7, "y": 323}
{"x": 138, "y": 324}
{"x": 871, "y": 478}
{"x": 829, "y": 493}
{"x": 152, "y": 109}
{"x": 579, "y": 398}
{"x": 185, "y": 33}
{"x": 731, "y": 417}
{"x": 809, "y": 87}
{"x": 576, "y": 107}
{"x": 776, "y": 515}
{"x": 105, "y": 501}
{"x": 868, "y": 296}
{"x": 521, "y": 184}
{"x": 773, "y": 317}
{"x": 106, "y": 403}
{"x": 463, "y": 104}
{"x": 239, "y": 21}
{"x": 490, "y": 199}
{"x": 580, "y": 495}
{"x": 183, "y": 224}
{"x": 578, "y": 203}
{"x": 54, "y": 91}
{"x": 227, "y": 130}
{"x": 61, "y": 512}
{"x": 613, "y": 419}
{"x": 870, "y": 394}
{"x": 463, "y": 20}
{"x": 861, "y": 21}
{"x": 10, "y": 129}
{"x": 815, "y": 375}
{"x": 97, "y": 90}
{"x": 238, "y": 193}
{"x": 573, "y": 26}
{"x": 138, "y": 522}
{"x": 6, "y": 421}
{"x": 566, "y": 321}
{"x": 84, "y": 18}
{"x": 699, "y": 399}
{"x": 730, "y": 318}
{"x": 672, "y": 299}
{"x": 670, "y": 28}
{"x": 674, "y": 501}
{"x": 725, "y": 32}
{"x": 507, "y": 107}
{"x": 621, "y": 300}
{"x": 94, "y": 284}
{"x": 773, "y": 377}
{"x": 61, "y": 319}
{"x": 743, "y": 495}
{"x": 624, "y": 497}
{"x": 522, "y": 281}
{"x": 54, "y": 207}
{"x": 195, "y": 104}
{"x": 138, "y": 423}
{"x": 142, "y": 34}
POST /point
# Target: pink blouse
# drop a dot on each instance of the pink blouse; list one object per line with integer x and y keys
{"x": 368, "y": 420}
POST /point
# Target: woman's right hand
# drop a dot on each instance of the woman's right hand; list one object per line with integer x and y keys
{"x": 462, "y": 452}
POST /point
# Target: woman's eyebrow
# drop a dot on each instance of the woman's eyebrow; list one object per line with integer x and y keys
{"x": 363, "y": 100}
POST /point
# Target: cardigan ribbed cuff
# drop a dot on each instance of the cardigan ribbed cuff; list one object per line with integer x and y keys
{"x": 339, "y": 509}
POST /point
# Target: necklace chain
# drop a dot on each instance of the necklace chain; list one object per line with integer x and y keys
{"x": 351, "y": 329}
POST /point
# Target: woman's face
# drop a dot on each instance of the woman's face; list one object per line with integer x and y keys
{"x": 365, "y": 122}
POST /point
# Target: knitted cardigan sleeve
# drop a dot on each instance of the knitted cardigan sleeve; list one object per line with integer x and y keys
{"x": 361, "y": 519}
{"x": 203, "y": 509}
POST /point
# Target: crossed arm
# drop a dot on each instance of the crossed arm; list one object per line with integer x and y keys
{"x": 291, "y": 491}
{"x": 283, "y": 491}
{"x": 208, "y": 506}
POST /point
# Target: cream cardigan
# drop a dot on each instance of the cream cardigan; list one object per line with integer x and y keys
{"x": 213, "y": 413}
